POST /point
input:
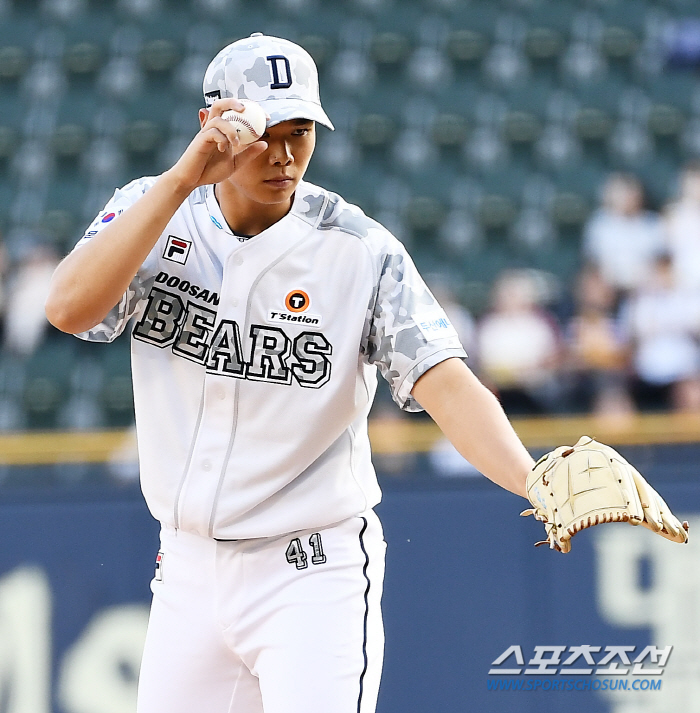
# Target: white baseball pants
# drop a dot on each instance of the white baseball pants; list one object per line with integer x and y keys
{"x": 289, "y": 624}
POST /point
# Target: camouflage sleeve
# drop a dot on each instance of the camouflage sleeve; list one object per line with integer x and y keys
{"x": 118, "y": 317}
{"x": 407, "y": 332}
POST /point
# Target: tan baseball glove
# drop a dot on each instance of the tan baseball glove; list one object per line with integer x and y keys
{"x": 572, "y": 488}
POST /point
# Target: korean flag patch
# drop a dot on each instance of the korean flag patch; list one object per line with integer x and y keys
{"x": 177, "y": 249}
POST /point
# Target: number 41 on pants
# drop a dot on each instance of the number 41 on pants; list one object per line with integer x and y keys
{"x": 297, "y": 556}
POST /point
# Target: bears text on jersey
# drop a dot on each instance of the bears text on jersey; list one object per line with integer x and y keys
{"x": 192, "y": 332}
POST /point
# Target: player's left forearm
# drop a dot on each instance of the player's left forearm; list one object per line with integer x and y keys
{"x": 474, "y": 421}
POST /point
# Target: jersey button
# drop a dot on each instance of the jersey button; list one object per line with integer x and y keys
{"x": 234, "y": 302}
{"x": 222, "y": 393}
{"x": 206, "y": 465}
{"x": 238, "y": 260}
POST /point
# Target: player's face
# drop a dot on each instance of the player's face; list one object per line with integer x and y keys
{"x": 274, "y": 175}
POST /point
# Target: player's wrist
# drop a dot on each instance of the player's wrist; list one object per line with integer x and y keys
{"x": 180, "y": 185}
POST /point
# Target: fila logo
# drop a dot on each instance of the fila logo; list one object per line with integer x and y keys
{"x": 296, "y": 301}
{"x": 177, "y": 249}
{"x": 281, "y": 71}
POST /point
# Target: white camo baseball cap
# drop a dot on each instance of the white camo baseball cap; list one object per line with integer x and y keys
{"x": 278, "y": 74}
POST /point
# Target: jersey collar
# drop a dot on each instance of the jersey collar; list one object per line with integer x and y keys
{"x": 215, "y": 214}
{"x": 308, "y": 204}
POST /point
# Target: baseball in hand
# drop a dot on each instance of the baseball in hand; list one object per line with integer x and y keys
{"x": 250, "y": 123}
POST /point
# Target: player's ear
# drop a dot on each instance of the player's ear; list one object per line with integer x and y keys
{"x": 203, "y": 116}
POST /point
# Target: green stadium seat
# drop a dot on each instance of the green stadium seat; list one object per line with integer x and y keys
{"x": 46, "y": 385}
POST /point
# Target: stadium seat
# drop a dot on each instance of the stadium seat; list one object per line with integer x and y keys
{"x": 388, "y": 49}
{"x": 63, "y": 10}
{"x": 46, "y": 384}
{"x": 428, "y": 69}
{"x": 631, "y": 144}
{"x": 14, "y": 61}
{"x": 533, "y": 229}
{"x": 215, "y": 8}
{"x": 557, "y": 146}
{"x": 460, "y": 234}
{"x": 543, "y": 45}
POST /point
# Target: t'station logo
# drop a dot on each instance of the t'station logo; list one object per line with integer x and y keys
{"x": 177, "y": 249}
{"x": 297, "y": 301}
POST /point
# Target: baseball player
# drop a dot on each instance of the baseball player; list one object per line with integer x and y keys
{"x": 262, "y": 308}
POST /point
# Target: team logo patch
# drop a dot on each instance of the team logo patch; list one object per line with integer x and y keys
{"x": 434, "y": 325}
{"x": 297, "y": 301}
{"x": 177, "y": 249}
{"x": 159, "y": 566}
{"x": 281, "y": 71}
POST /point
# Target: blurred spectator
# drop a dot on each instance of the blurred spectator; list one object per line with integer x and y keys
{"x": 682, "y": 40}
{"x": 663, "y": 324}
{"x": 622, "y": 238}
{"x": 597, "y": 354}
{"x": 25, "y": 321}
{"x": 518, "y": 345}
{"x": 682, "y": 225}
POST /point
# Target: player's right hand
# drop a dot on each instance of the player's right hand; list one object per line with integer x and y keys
{"x": 215, "y": 152}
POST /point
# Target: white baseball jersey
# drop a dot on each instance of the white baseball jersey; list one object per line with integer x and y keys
{"x": 254, "y": 362}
